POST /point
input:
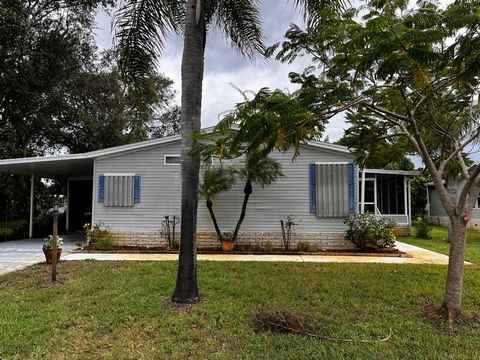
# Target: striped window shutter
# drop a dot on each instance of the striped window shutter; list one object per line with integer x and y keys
{"x": 332, "y": 190}
{"x": 101, "y": 189}
{"x": 136, "y": 191}
{"x": 351, "y": 188}
{"x": 313, "y": 189}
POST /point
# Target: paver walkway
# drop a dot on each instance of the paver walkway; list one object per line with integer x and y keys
{"x": 416, "y": 255}
{"x": 15, "y": 255}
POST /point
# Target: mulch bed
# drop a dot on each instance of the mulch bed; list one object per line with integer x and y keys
{"x": 245, "y": 250}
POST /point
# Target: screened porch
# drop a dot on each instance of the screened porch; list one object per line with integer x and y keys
{"x": 386, "y": 193}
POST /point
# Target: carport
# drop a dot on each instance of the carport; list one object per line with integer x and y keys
{"x": 69, "y": 168}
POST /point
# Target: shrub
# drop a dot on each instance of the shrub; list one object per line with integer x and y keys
{"x": 366, "y": 230}
{"x": 268, "y": 246}
{"x": 302, "y": 246}
{"x": 312, "y": 247}
{"x": 422, "y": 227}
{"x": 104, "y": 244}
{"x": 175, "y": 245}
{"x": 95, "y": 233}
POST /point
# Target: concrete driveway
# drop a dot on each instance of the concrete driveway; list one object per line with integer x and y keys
{"x": 15, "y": 255}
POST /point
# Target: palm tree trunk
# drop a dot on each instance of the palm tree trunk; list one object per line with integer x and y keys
{"x": 214, "y": 219}
{"x": 453, "y": 288}
{"x": 247, "y": 191}
{"x": 186, "y": 289}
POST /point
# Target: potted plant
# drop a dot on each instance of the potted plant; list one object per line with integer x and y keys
{"x": 48, "y": 248}
{"x": 227, "y": 241}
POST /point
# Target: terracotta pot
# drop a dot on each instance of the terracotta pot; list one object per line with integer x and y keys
{"x": 227, "y": 245}
{"x": 49, "y": 253}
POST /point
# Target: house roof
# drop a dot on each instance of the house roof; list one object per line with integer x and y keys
{"x": 393, "y": 172}
{"x": 75, "y": 165}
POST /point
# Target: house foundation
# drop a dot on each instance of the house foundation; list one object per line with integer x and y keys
{"x": 207, "y": 239}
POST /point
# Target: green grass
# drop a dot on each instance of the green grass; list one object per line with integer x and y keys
{"x": 439, "y": 243}
{"x": 7, "y": 228}
{"x": 118, "y": 310}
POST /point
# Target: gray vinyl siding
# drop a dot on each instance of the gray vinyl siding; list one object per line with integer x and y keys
{"x": 161, "y": 187}
{"x": 159, "y": 190}
{"x": 436, "y": 208}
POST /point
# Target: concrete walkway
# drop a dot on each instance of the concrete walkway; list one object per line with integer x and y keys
{"x": 416, "y": 255}
{"x": 16, "y": 255}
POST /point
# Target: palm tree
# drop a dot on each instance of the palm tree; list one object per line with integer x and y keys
{"x": 141, "y": 27}
{"x": 216, "y": 180}
{"x": 261, "y": 170}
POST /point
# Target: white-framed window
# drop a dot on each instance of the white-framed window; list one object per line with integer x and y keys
{"x": 172, "y": 160}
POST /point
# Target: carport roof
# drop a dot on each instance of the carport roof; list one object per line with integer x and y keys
{"x": 72, "y": 165}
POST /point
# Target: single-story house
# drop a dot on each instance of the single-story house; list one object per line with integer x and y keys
{"x": 131, "y": 188}
{"x": 437, "y": 213}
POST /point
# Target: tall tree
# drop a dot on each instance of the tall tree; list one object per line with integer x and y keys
{"x": 43, "y": 45}
{"x": 141, "y": 28}
{"x": 412, "y": 74}
{"x": 100, "y": 111}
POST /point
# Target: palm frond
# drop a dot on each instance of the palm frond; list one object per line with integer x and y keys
{"x": 261, "y": 169}
{"x": 216, "y": 180}
{"x": 240, "y": 22}
{"x": 141, "y": 27}
{"x": 314, "y": 11}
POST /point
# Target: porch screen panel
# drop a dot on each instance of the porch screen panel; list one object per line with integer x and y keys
{"x": 332, "y": 190}
{"x": 119, "y": 190}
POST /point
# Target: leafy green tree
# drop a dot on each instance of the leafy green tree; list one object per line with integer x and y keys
{"x": 43, "y": 44}
{"x": 141, "y": 28}
{"x": 412, "y": 74}
{"x": 100, "y": 110}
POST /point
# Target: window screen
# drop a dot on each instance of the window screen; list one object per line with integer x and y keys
{"x": 173, "y": 160}
{"x": 119, "y": 190}
{"x": 333, "y": 190}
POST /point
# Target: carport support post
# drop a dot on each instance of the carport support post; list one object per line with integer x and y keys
{"x": 30, "y": 222}
{"x": 67, "y": 217}
{"x": 55, "y": 238}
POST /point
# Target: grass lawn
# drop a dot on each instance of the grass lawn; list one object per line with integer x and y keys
{"x": 117, "y": 310}
{"x": 439, "y": 243}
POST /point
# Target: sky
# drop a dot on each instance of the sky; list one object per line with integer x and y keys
{"x": 224, "y": 66}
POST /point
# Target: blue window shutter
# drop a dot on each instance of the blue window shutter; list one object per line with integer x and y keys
{"x": 313, "y": 189}
{"x": 101, "y": 188}
{"x": 136, "y": 191}
{"x": 351, "y": 188}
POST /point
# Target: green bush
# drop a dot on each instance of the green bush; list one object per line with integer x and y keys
{"x": 104, "y": 244}
{"x": 422, "y": 227}
{"x": 175, "y": 245}
{"x": 268, "y": 246}
{"x": 312, "y": 247}
{"x": 366, "y": 230}
{"x": 302, "y": 246}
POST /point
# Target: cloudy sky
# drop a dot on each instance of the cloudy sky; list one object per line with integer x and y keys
{"x": 224, "y": 66}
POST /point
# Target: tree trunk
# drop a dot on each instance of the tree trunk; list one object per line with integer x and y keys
{"x": 247, "y": 191}
{"x": 186, "y": 289}
{"x": 214, "y": 219}
{"x": 453, "y": 288}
